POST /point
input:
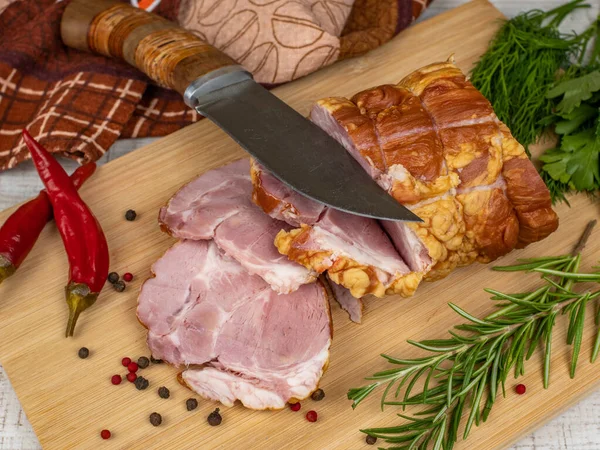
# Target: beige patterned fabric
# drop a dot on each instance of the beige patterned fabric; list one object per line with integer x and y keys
{"x": 276, "y": 40}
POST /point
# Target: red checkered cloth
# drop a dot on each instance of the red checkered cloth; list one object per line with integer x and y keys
{"x": 77, "y": 104}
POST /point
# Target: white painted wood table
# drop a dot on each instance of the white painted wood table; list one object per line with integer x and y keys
{"x": 576, "y": 429}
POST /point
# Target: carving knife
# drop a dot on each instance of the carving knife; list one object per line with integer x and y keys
{"x": 290, "y": 146}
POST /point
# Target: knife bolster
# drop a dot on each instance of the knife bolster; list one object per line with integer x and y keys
{"x": 213, "y": 81}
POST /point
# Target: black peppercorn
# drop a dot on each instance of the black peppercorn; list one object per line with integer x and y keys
{"x": 318, "y": 395}
{"x": 113, "y": 277}
{"x": 191, "y": 404}
{"x": 130, "y": 215}
{"x": 214, "y": 418}
{"x": 141, "y": 383}
{"x": 163, "y": 392}
{"x": 371, "y": 440}
{"x": 155, "y": 361}
{"x": 119, "y": 286}
{"x": 83, "y": 352}
{"x": 143, "y": 362}
{"x": 155, "y": 419}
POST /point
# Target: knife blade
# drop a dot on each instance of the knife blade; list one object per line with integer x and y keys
{"x": 291, "y": 147}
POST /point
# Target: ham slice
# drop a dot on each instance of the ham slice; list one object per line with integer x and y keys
{"x": 354, "y": 251}
{"x": 234, "y": 336}
{"x": 218, "y": 205}
{"x": 352, "y": 305}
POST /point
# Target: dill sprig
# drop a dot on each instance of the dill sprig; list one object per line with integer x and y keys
{"x": 522, "y": 63}
{"x": 465, "y": 372}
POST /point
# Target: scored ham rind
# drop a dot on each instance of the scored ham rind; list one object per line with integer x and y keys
{"x": 446, "y": 156}
{"x": 234, "y": 336}
{"x": 218, "y": 205}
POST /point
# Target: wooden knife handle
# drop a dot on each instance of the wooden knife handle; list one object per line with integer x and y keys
{"x": 171, "y": 56}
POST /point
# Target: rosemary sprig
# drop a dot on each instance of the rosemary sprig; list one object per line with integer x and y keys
{"x": 465, "y": 372}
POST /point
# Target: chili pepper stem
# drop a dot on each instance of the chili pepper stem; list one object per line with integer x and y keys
{"x": 79, "y": 298}
{"x": 6, "y": 268}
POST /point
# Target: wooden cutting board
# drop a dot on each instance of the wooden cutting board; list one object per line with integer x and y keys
{"x": 69, "y": 400}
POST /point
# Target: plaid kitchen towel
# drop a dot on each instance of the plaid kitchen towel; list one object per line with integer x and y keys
{"x": 77, "y": 104}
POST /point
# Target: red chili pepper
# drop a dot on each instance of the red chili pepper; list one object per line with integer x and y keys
{"x": 81, "y": 233}
{"x": 22, "y": 229}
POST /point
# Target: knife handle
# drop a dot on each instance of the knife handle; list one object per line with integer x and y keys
{"x": 168, "y": 54}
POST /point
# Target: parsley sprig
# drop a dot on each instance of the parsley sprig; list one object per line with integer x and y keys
{"x": 465, "y": 372}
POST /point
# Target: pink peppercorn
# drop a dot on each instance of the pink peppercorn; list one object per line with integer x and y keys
{"x": 105, "y": 434}
{"x": 132, "y": 367}
{"x": 126, "y": 361}
{"x": 128, "y": 277}
{"x": 116, "y": 379}
{"x": 311, "y": 416}
{"x": 295, "y": 406}
{"x": 520, "y": 389}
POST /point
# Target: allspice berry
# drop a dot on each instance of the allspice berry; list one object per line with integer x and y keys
{"x": 155, "y": 419}
{"x": 214, "y": 418}
{"x": 163, "y": 392}
{"x": 143, "y": 362}
{"x": 318, "y": 395}
{"x": 191, "y": 404}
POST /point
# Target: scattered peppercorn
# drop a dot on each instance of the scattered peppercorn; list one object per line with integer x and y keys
{"x": 105, "y": 434}
{"x": 126, "y": 361}
{"x": 131, "y": 377}
{"x": 116, "y": 379}
{"x": 119, "y": 286}
{"x": 128, "y": 277}
{"x": 311, "y": 416}
{"x": 163, "y": 392}
{"x": 83, "y": 352}
{"x": 155, "y": 361}
{"x": 130, "y": 215}
{"x": 214, "y": 418}
{"x": 113, "y": 277}
{"x": 371, "y": 440}
{"x": 143, "y": 362}
{"x": 318, "y": 395}
{"x": 155, "y": 419}
{"x": 141, "y": 383}
{"x": 295, "y": 406}
{"x": 520, "y": 389}
{"x": 132, "y": 367}
{"x": 191, "y": 404}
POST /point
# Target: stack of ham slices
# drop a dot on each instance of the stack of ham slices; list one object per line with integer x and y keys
{"x": 237, "y": 301}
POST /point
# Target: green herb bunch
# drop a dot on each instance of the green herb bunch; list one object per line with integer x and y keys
{"x": 465, "y": 372}
{"x": 574, "y": 164}
{"x": 536, "y": 80}
{"x": 521, "y": 65}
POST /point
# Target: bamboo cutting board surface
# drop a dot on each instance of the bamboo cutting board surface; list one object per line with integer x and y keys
{"x": 69, "y": 400}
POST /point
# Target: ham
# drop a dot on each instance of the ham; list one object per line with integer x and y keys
{"x": 432, "y": 142}
{"x": 234, "y": 337}
{"x": 218, "y": 205}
